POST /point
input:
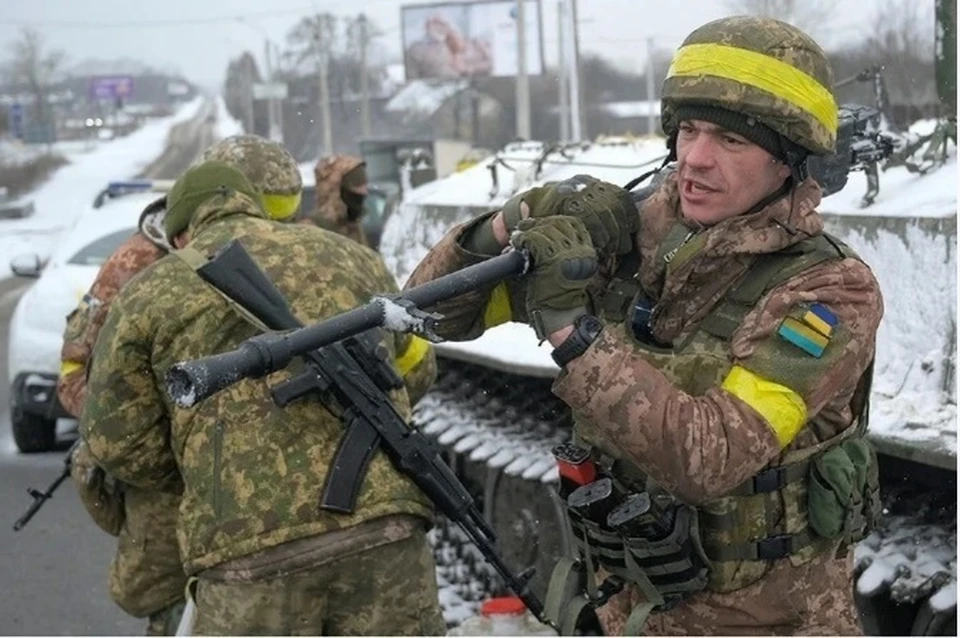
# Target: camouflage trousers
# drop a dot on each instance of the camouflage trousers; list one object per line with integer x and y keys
{"x": 813, "y": 599}
{"x": 146, "y": 575}
{"x": 165, "y": 621}
{"x": 390, "y": 590}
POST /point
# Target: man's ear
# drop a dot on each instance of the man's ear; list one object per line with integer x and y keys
{"x": 181, "y": 240}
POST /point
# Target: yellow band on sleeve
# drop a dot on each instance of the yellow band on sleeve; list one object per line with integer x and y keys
{"x": 783, "y": 409}
{"x": 498, "y": 309}
{"x": 69, "y": 367}
{"x": 414, "y": 353}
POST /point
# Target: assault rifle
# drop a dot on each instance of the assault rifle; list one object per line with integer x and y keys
{"x": 343, "y": 363}
{"x": 39, "y": 498}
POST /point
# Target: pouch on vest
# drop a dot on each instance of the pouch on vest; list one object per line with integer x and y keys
{"x": 675, "y": 564}
{"x": 843, "y": 491}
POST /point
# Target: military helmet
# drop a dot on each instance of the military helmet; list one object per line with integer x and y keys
{"x": 759, "y": 67}
{"x": 268, "y": 165}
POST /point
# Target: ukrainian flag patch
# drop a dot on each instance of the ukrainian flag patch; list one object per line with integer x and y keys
{"x": 811, "y": 332}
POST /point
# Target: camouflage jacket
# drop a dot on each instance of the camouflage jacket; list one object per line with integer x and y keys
{"x": 85, "y": 322}
{"x": 329, "y": 211}
{"x": 700, "y": 447}
{"x": 252, "y": 472}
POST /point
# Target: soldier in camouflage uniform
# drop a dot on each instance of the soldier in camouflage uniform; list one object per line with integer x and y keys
{"x": 341, "y": 190}
{"x": 715, "y": 348}
{"x": 266, "y": 558}
{"x": 150, "y": 583}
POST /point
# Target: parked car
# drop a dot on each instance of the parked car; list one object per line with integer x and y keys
{"x": 36, "y": 328}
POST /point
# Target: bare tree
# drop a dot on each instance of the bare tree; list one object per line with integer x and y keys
{"x": 902, "y": 41}
{"x": 34, "y": 67}
{"x": 809, "y": 15}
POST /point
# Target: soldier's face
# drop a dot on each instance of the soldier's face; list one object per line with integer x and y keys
{"x": 722, "y": 174}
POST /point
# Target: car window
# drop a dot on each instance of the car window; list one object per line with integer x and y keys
{"x": 97, "y": 251}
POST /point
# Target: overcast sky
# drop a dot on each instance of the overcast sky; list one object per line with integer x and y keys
{"x": 199, "y": 37}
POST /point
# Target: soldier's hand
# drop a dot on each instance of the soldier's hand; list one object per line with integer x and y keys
{"x": 564, "y": 261}
{"x": 606, "y": 210}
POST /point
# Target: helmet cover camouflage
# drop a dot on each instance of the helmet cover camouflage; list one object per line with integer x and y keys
{"x": 761, "y": 67}
{"x": 268, "y": 165}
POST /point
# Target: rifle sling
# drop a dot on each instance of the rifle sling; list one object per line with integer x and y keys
{"x": 357, "y": 446}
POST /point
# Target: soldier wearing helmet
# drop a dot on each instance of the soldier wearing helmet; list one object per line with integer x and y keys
{"x": 715, "y": 346}
{"x": 341, "y": 191}
{"x": 146, "y": 577}
{"x": 264, "y": 558}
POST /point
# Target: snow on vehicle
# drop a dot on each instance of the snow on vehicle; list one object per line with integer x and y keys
{"x": 493, "y": 412}
{"x": 36, "y": 328}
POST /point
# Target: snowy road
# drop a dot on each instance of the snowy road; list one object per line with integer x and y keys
{"x": 53, "y": 572}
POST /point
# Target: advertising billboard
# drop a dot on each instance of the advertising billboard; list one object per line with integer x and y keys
{"x": 109, "y": 87}
{"x": 469, "y": 39}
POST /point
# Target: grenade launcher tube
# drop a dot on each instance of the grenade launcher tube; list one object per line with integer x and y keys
{"x": 189, "y": 382}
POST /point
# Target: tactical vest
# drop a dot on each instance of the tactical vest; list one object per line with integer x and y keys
{"x": 765, "y": 519}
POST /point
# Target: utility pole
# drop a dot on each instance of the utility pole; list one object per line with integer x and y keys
{"x": 576, "y": 107}
{"x": 563, "y": 84}
{"x": 651, "y": 88}
{"x": 248, "y": 93}
{"x": 321, "y": 54}
{"x": 273, "y": 128}
{"x": 364, "y": 75}
{"x": 523, "y": 82}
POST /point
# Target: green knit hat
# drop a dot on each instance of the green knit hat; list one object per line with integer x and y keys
{"x": 197, "y": 185}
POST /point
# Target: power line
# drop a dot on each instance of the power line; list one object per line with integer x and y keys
{"x": 170, "y": 22}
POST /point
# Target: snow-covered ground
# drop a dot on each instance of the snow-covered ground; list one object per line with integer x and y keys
{"x": 73, "y": 187}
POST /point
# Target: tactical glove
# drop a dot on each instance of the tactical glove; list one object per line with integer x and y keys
{"x": 606, "y": 210}
{"x": 564, "y": 261}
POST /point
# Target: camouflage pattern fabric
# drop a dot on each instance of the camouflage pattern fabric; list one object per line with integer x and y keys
{"x": 146, "y": 574}
{"x": 252, "y": 473}
{"x": 814, "y": 599}
{"x": 166, "y": 621}
{"x": 387, "y": 591}
{"x": 101, "y": 496}
{"x": 330, "y": 212}
{"x": 85, "y": 322}
{"x": 701, "y": 446}
{"x": 269, "y": 166}
{"x": 777, "y": 40}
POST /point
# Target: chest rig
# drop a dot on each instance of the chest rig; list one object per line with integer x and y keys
{"x": 730, "y": 542}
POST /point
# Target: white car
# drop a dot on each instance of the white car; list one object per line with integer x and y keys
{"x": 38, "y": 322}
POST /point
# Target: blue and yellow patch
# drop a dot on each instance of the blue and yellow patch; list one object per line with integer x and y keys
{"x": 810, "y": 332}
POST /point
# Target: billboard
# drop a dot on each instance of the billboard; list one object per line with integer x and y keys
{"x": 110, "y": 87}
{"x": 469, "y": 39}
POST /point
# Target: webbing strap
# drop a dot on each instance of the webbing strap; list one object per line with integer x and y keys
{"x": 196, "y": 260}
{"x": 770, "y": 548}
{"x": 637, "y": 619}
{"x": 772, "y": 479}
{"x": 766, "y": 273}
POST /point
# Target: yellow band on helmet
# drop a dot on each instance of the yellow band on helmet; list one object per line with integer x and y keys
{"x": 783, "y": 409}
{"x": 760, "y": 71}
{"x": 280, "y": 207}
{"x": 414, "y": 353}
